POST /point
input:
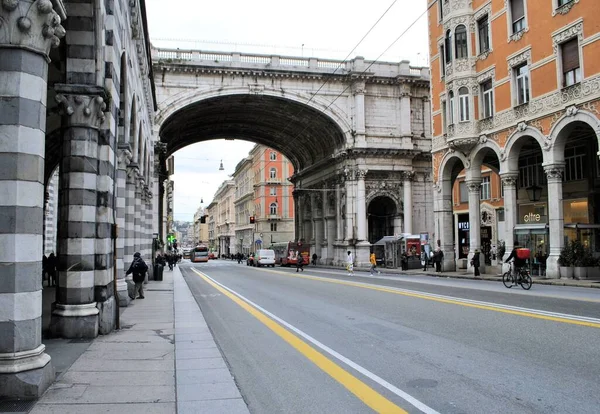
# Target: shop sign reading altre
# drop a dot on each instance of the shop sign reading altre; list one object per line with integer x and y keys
{"x": 532, "y": 218}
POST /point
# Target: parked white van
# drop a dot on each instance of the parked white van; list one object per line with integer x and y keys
{"x": 265, "y": 257}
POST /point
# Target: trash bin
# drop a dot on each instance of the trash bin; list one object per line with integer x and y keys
{"x": 158, "y": 272}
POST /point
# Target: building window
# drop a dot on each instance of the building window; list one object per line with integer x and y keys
{"x": 485, "y": 193}
{"x": 575, "y": 163}
{"x": 444, "y": 117}
{"x": 460, "y": 36}
{"x": 273, "y": 226}
{"x": 448, "y": 47}
{"x": 500, "y": 214}
{"x": 463, "y": 103}
{"x": 563, "y": 2}
{"x": 451, "y": 108}
{"x": 273, "y": 209}
{"x": 273, "y": 173}
{"x": 273, "y": 191}
{"x": 501, "y": 189}
{"x": 464, "y": 193}
{"x": 570, "y": 62}
{"x": 517, "y": 11}
{"x": 273, "y": 156}
{"x": 521, "y": 74}
{"x": 441, "y": 9}
{"x": 487, "y": 99}
{"x": 483, "y": 29}
{"x": 531, "y": 171}
{"x": 443, "y": 60}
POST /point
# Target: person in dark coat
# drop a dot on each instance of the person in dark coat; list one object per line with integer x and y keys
{"x": 51, "y": 269}
{"x": 404, "y": 261}
{"x": 438, "y": 257}
{"x": 299, "y": 262}
{"x": 139, "y": 268}
{"x": 475, "y": 262}
{"x": 314, "y": 259}
{"x": 44, "y": 269}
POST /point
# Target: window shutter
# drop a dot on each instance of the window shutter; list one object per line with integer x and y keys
{"x": 570, "y": 55}
{"x": 517, "y": 9}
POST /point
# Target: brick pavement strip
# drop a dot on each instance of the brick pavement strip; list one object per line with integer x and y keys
{"x": 159, "y": 362}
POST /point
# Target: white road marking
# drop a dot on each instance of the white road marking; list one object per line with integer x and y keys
{"x": 397, "y": 391}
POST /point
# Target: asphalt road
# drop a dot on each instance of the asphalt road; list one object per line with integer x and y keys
{"x": 323, "y": 342}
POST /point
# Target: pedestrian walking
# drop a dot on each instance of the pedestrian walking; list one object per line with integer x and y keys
{"x": 476, "y": 263}
{"x": 299, "y": 262}
{"x": 438, "y": 258}
{"x": 139, "y": 268}
{"x": 373, "y": 261}
{"x": 424, "y": 259}
{"x": 350, "y": 263}
{"x": 314, "y": 259}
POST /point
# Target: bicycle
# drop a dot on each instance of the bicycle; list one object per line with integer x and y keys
{"x": 523, "y": 278}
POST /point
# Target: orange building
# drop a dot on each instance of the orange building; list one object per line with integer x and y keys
{"x": 516, "y": 91}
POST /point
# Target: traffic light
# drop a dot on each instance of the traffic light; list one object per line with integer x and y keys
{"x": 251, "y": 219}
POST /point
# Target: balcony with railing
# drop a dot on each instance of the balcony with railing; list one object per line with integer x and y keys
{"x": 305, "y": 64}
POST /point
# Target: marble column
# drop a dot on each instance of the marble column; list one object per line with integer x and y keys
{"x": 132, "y": 171}
{"x": 444, "y": 224}
{"x": 139, "y": 183}
{"x": 359, "y": 90}
{"x": 474, "y": 188}
{"x": 363, "y": 246}
{"x": 405, "y": 117}
{"x": 509, "y": 183}
{"x": 28, "y": 30}
{"x": 339, "y": 229}
{"x": 554, "y": 175}
{"x": 124, "y": 158}
{"x": 407, "y": 179}
{"x": 75, "y": 313}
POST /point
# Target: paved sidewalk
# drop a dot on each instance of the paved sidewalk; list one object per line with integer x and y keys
{"x": 163, "y": 360}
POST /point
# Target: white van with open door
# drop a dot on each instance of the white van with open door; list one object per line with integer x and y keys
{"x": 265, "y": 257}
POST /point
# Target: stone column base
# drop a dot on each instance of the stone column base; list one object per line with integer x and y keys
{"x": 107, "y": 315}
{"x": 25, "y": 374}
{"x": 363, "y": 253}
{"x": 123, "y": 293}
{"x": 448, "y": 265}
{"x": 74, "y": 321}
{"x": 552, "y": 271}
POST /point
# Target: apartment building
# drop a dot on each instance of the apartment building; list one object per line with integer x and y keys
{"x": 516, "y": 90}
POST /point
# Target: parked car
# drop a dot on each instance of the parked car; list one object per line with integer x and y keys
{"x": 211, "y": 255}
{"x": 250, "y": 260}
{"x": 265, "y": 257}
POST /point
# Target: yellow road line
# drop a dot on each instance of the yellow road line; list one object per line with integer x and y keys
{"x": 366, "y": 394}
{"x": 442, "y": 300}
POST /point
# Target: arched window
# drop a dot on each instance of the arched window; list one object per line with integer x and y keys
{"x": 273, "y": 156}
{"x": 273, "y": 173}
{"x": 450, "y": 108}
{"x": 273, "y": 209}
{"x": 460, "y": 38}
{"x": 448, "y": 46}
{"x": 463, "y": 104}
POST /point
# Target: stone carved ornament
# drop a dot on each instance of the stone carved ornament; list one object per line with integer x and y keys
{"x": 31, "y": 24}
{"x": 83, "y": 110}
{"x": 565, "y": 8}
{"x": 554, "y": 173}
{"x": 570, "y": 32}
{"x": 516, "y": 60}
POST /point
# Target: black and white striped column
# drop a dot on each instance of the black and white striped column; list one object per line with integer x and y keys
{"x": 130, "y": 213}
{"x": 124, "y": 157}
{"x": 27, "y": 31}
{"x": 76, "y": 314}
{"x": 139, "y": 186}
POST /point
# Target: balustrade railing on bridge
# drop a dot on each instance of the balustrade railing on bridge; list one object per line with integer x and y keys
{"x": 260, "y": 61}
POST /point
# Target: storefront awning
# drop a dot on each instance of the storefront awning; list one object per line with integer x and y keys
{"x": 582, "y": 226}
{"x": 537, "y": 228}
{"x": 387, "y": 239}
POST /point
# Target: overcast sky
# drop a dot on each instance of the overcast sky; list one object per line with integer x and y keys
{"x": 319, "y": 28}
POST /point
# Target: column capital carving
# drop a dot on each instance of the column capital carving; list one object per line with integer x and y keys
{"x": 554, "y": 172}
{"x": 32, "y": 24}
{"x": 359, "y": 88}
{"x": 83, "y": 106}
{"x": 124, "y": 158}
{"x": 361, "y": 173}
{"x": 407, "y": 175}
{"x": 474, "y": 186}
{"x": 132, "y": 171}
{"x": 509, "y": 180}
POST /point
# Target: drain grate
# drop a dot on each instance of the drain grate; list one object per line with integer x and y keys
{"x": 16, "y": 406}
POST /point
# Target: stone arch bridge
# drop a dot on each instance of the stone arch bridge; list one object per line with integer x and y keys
{"x": 357, "y": 133}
